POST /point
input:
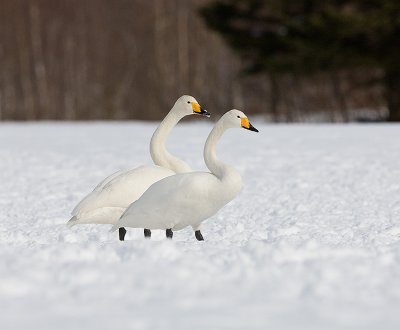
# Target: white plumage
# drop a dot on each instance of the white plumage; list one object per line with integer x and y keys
{"x": 188, "y": 199}
{"x": 106, "y": 203}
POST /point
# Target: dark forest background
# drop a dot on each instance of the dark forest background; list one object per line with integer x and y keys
{"x": 131, "y": 59}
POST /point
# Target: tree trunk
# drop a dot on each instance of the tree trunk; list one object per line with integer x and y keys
{"x": 339, "y": 96}
{"x": 392, "y": 81}
{"x": 274, "y": 97}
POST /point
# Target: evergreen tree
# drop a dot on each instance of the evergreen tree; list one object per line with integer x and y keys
{"x": 306, "y": 36}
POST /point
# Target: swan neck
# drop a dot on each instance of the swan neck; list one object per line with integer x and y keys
{"x": 158, "y": 151}
{"x": 216, "y": 167}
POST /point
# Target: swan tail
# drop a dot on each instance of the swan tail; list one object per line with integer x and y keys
{"x": 84, "y": 204}
{"x": 114, "y": 227}
{"x": 120, "y": 223}
{"x": 72, "y": 222}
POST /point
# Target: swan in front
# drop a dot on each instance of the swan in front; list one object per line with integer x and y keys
{"x": 188, "y": 199}
{"x": 110, "y": 198}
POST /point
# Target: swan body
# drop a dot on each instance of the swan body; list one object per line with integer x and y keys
{"x": 172, "y": 204}
{"x": 188, "y": 199}
{"x": 106, "y": 203}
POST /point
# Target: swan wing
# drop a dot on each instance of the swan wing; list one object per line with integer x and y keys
{"x": 110, "y": 178}
{"x": 121, "y": 188}
{"x": 81, "y": 205}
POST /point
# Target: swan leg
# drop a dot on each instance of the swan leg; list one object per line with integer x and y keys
{"x": 198, "y": 235}
{"x": 147, "y": 233}
{"x": 169, "y": 233}
{"x": 122, "y": 232}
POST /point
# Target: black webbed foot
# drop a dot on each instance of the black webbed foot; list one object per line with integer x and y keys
{"x": 198, "y": 235}
{"x": 122, "y": 232}
{"x": 169, "y": 233}
{"x": 147, "y": 233}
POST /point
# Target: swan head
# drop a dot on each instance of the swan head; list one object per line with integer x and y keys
{"x": 237, "y": 119}
{"x": 189, "y": 105}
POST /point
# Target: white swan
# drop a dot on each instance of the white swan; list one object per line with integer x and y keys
{"x": 188, "y": 199}
{"x": 106, "y": 203}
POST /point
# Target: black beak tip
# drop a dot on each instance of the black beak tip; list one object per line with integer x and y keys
{"x": 205, "y": 113}
{"x": 252, "y": 128}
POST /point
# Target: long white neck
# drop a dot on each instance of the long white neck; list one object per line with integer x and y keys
{"x": 159, "y": 153}
{"x": 218, "y": 168}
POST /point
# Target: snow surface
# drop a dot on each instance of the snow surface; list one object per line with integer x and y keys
{"x": 312, "y": 241}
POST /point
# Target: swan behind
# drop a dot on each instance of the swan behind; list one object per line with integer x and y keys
{"x": 106, "y": 203}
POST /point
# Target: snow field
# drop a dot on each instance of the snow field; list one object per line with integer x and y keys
{"x": 312, "y": 241}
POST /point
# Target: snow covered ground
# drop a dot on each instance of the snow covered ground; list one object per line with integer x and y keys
{"x": 312, "y": 242}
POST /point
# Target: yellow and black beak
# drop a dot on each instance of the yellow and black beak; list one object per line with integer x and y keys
{"x": 197, "y": 109}
{"x": 246, "y": 124}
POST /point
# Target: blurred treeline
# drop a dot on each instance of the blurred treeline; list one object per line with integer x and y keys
{"x": 120, "y": 59}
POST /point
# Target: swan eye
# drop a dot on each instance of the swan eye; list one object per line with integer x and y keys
{"x": 238, "y": 116}
{"x": 189, "y": 102}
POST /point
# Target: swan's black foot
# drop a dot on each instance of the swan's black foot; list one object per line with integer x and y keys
{"x": 147, "y": 233}
{"x": 169, "y": 233}
{"x": 198, "y": 235}
{"x": 122, "y": 232}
